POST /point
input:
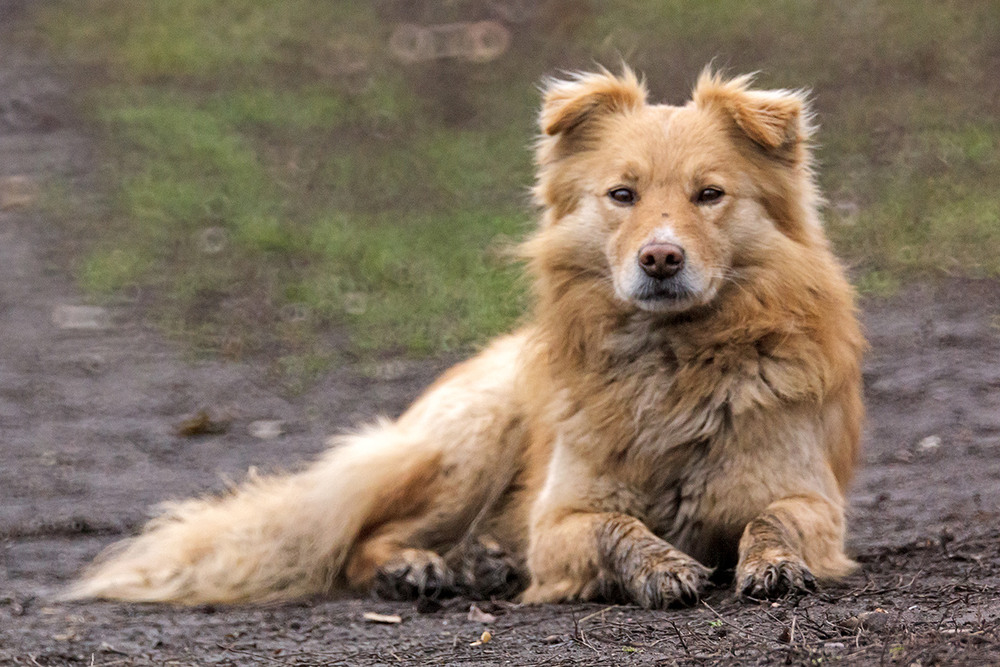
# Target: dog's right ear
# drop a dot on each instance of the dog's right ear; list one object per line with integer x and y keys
{"x": 571, "y": 108}
{"x": 570, "y": 105}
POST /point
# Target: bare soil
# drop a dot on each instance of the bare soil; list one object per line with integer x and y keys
{"x": 89, "y": 439}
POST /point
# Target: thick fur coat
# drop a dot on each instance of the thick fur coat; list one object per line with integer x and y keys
{"x": 686, "y": 398}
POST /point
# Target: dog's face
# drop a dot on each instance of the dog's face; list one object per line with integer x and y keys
{"x": 668, "y": 203}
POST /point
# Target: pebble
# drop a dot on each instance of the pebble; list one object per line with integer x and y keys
{"x": 81, "y": 317}
{"x": 267, "y": 429}
{"x": 847, "y": 212}
{"x": 355, "y": 303}
{"x": 17, "y": 192}
{"x": 929, "y": 444}
{"x": 393, "y": 369}
{"x": 212, "y": 240}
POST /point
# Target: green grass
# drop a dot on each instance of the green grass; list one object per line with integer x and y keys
{"x": 271, "y": 174}
{"x": 931, "y": 209}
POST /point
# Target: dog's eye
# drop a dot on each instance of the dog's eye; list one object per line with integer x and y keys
{"x": 709, "y": 195}
{"x": 625, "y": 196}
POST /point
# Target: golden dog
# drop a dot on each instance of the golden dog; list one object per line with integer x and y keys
{"x": 686, "y": 396}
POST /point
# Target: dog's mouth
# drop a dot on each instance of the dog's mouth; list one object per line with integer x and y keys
{"x": 663, "y": 295}
{"x": 686, "y": 289}
{"x": 660, "y": 290}
{"x": 668, "y": 296}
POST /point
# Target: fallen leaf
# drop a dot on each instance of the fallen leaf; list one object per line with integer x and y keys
{"x": 202, "y": 424}
{"x": 477, "y": 614}
{"x": 873, "y": 621}
{"x": 373, "y": 617}
{"x": 17, "y": 192}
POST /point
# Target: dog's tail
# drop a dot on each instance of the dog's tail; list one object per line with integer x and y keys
{"x": 271, "y": 538}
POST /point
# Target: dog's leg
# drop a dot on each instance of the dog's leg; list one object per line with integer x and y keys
{"x": 588, "y": 555}
{"x": 790, "y": 544}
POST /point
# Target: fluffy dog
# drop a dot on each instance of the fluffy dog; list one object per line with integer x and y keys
{"x": 686, "y": 396}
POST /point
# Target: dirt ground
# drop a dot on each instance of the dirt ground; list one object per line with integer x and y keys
{"x": 90, "y": 403}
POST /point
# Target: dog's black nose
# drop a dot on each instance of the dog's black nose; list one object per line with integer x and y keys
{"x": 661, "y": 260}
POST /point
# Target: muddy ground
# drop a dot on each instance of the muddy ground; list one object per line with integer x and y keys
{"x": 90, "y": 404}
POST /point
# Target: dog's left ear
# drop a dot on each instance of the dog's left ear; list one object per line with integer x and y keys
{"x": 776, "y": 120}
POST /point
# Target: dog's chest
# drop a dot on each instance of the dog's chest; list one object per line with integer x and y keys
{"x": 671, "y": 397}
{"x": 681, "y": 506}
{"x": 679, "y": 446}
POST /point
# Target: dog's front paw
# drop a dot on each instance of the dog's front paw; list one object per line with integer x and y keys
{"x": 414, "y": 574}
{"x": 769, "y": 579}
{"x": 677, "y": 580}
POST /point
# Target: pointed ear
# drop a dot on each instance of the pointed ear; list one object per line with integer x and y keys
{"x": 570, "y": 104}
{"x": 776, "y": 120}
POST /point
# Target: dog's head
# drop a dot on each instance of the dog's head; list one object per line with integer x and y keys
{"x": 664, "y": 204}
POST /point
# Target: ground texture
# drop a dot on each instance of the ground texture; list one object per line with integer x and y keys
{"x": 93, "y": 405}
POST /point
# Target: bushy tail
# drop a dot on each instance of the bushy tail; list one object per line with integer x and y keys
{"x": 271, "y": 538}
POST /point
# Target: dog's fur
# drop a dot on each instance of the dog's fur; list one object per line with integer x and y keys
{"x": 638, "y": 432}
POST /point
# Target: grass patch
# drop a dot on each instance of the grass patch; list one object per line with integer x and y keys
{"x": 435, "y": 284}
{"x": 272, "y": 173}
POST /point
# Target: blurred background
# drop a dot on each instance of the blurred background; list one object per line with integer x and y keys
{"x": 320, "y": 182}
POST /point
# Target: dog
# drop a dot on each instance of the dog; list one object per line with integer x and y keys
{"x": 684, "y": 402}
